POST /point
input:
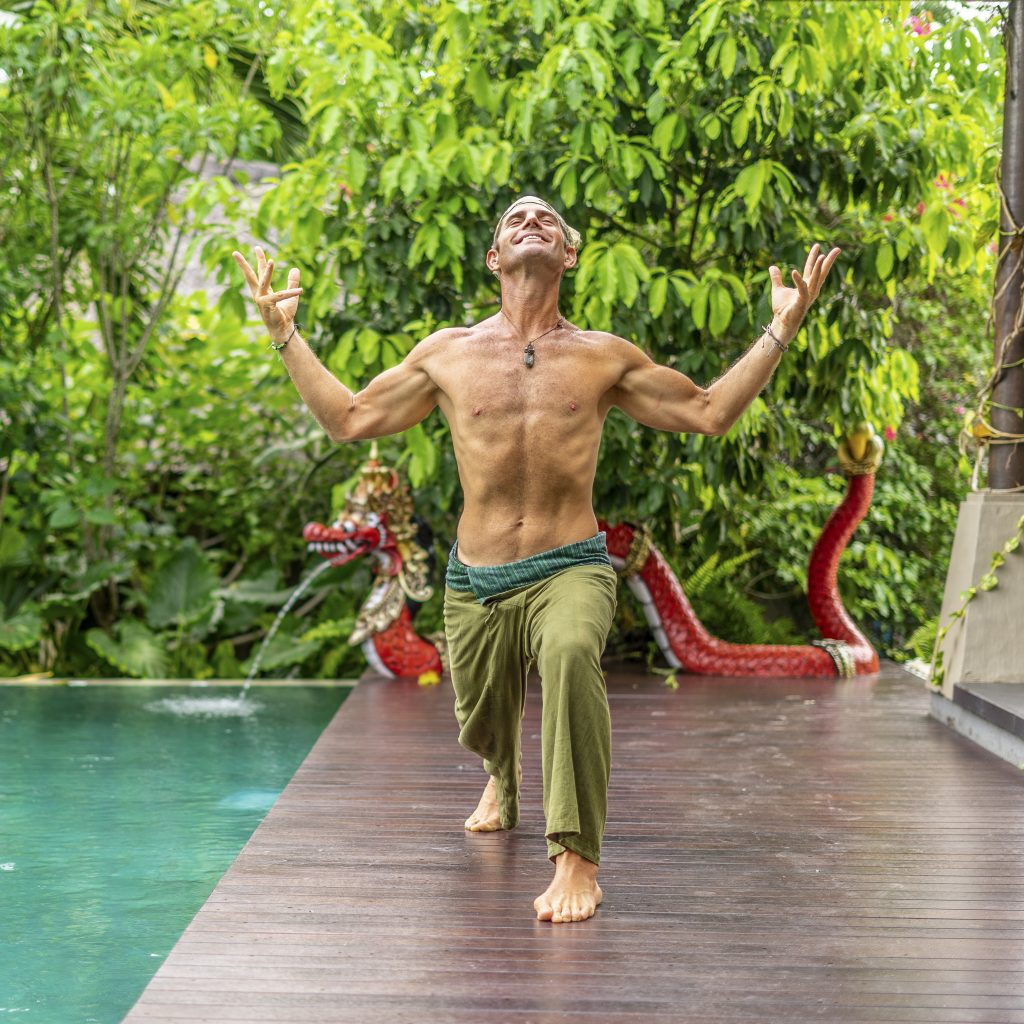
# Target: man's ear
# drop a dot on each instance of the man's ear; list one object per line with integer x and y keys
{"x": 570, "y": 258}
{"x": 491, "y": 259}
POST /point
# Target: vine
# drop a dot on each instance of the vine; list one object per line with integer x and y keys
{"x": 987, "y": 582}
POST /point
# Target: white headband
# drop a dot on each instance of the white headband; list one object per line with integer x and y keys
{"x": 573, "y": 239}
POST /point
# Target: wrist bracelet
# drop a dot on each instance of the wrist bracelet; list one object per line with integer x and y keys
{"x": 284, "y": 344}
{"x": 767, "y": 329}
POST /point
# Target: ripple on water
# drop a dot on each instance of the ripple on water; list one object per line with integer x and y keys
{"x": 250, "y": 800}
{"x": 207, "y": 707}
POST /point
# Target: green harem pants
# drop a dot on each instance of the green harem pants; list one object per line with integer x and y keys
{"x": 561, "y": 623}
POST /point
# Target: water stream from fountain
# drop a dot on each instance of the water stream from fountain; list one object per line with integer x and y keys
{"x": 288, "y": 605}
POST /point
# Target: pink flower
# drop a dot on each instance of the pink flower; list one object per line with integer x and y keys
{"x": 920, "y": 207}
{"x": 890, "y": 433}
{"x": 886, "y": 216}
{"x": 960, "y": 410}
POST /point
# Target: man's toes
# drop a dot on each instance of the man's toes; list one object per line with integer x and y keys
{"x": 544, "y": 909}
{"x": 577, "y": 910}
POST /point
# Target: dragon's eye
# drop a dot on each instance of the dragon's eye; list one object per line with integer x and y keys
{"x": 348, "y": 526}
{"x": 372, "y": 519}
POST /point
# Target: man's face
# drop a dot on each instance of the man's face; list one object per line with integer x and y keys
{"x": 531, "y": 232}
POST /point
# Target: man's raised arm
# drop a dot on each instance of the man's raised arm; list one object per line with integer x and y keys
{"x": 665, "y": 399}
{"x": 392, "y": 402}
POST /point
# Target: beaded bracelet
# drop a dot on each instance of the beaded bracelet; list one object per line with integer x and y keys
{"x": 284, "y": 344}
{"x": 767, "y": 329}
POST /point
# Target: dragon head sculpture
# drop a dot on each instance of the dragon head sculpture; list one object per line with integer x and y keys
{"x": 377, "y": 521}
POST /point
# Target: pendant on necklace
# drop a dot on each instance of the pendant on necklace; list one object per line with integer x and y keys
{"x": 528, "y": 355}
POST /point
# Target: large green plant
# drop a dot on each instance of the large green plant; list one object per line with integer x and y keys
{"x": 693, "y": 144}
{"x": 122, "y": 121}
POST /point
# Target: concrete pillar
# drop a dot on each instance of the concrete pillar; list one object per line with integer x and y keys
{"x": 987, "y": 644}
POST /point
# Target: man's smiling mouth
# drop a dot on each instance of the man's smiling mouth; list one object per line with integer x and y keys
{"x": 526, "y": 238}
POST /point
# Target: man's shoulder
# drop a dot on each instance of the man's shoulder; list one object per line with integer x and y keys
{"x": 441, "y": 341}
{"x": 614, "y": 347}
{"x": 603, "y": 339}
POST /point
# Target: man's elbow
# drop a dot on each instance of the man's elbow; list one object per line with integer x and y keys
{"x": 712, "y": 420}
{"x": 349, "y": 433}
{"x": 344, "y": 426}
{"x": 343, "y": 430}
{"x": 719, "y": 426}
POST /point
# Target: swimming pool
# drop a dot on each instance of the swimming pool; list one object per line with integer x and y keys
{"x": 120, "y": 808}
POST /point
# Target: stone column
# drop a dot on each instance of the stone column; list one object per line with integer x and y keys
{"x": 986, "y": 646}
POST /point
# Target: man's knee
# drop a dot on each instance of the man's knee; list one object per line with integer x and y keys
{"x": 568, "y": 647}
{"x": 572, "y": 662}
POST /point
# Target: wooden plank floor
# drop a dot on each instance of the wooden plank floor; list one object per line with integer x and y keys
{"x": 777, "y": 851}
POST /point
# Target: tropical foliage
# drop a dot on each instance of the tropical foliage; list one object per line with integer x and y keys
{"x": 155, "y": 464}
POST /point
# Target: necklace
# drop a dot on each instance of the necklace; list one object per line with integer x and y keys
{"x": 528, "y": 353}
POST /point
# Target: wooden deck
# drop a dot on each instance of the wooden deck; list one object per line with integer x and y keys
{"x": 777, "y": 852}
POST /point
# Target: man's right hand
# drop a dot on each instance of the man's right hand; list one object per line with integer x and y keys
{"x": 278, "y": 309}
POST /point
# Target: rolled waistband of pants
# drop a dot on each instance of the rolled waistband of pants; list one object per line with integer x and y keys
{"x": 487, "y": 581}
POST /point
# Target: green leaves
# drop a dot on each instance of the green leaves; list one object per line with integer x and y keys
{"x": 20, "y": 631}
{"x": 284, "y": 650}
{"x": 711, "y": 300}
{"x": 261, "y": 591}
{"x": 422, "y": 455}
{"x": 182, "y": 590}
{"x": 884, "y": 259}
{"x": 935, "y": 227}
{"x": 133, "y": 649}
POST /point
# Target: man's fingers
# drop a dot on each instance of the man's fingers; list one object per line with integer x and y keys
{"x": 801, "y": 284}
{"x": 250, "y": 275}
{"x": 293, "y": 277}
{"x": 776, "y": 276}
{"x": 241, "y": 261}
{"x": 825, "y": 266}
{"x": 815, "y": 278}
{"x": 273, "y": 297}
{"x": 811, "y": 257}
{"x": 266, "y": 274}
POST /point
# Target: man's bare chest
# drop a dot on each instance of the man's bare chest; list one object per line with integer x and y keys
{"x": 496, "y": 384}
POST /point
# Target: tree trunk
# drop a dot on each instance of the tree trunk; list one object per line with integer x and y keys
{"x": 1006, "y": 460}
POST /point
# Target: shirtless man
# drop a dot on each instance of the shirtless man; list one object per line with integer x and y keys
{"x": 525, "y": 394}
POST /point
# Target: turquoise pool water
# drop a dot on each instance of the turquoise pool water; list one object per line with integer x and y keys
{"x": 120, "y": 808}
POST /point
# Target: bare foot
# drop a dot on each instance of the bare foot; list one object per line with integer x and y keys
{"x": 573, "y": 894}
{"x": 487, "y": 816}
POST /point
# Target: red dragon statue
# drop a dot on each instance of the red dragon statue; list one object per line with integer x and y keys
{"x": 378, "y": 522}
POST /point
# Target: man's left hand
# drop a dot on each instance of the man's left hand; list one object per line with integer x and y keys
{"x": 790, "y": 305}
